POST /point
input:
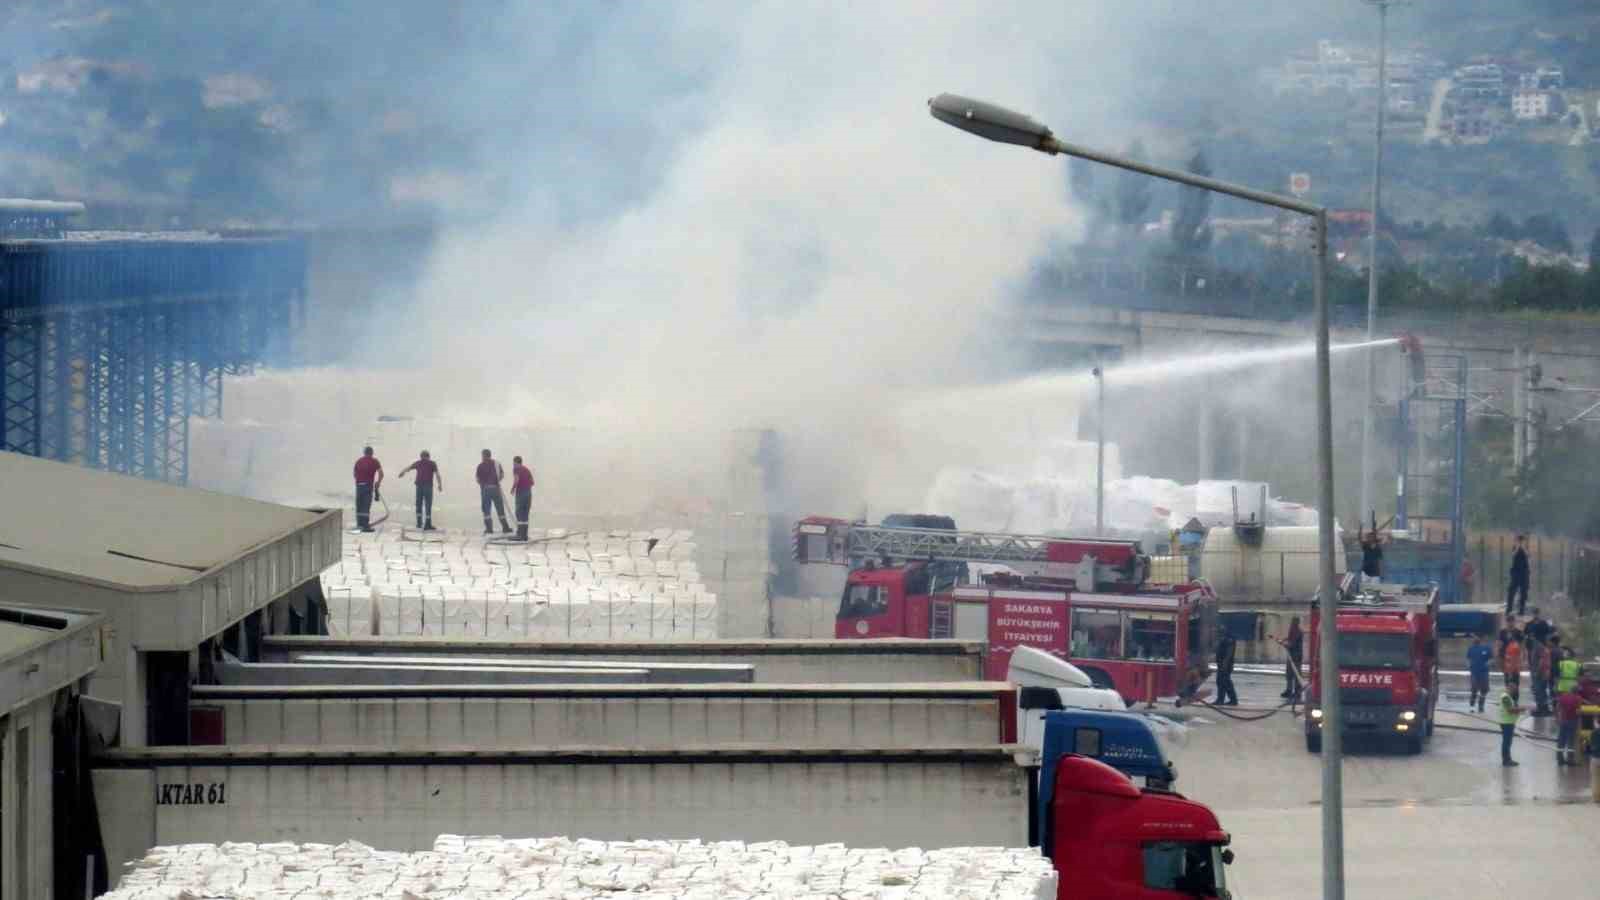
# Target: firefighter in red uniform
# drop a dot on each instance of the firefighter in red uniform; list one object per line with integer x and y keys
{"x": 427, "y": 474}
{"x": 489, "y": 475}
{"x": 522, "y": 494}
{"x": 369, "y": 475}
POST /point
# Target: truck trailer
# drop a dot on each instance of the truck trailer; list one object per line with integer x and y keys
{"x": 1388, "y": 663}
{"x": 1075, "y": 799}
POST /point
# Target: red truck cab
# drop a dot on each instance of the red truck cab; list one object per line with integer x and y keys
{"x": 1388, "y": 664}
{"x": 1111, "y": 840}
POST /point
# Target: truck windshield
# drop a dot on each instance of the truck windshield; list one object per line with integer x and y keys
{"x": 1184, "y": 867}
{"x": 861, "y": 601}
{"x": 1358, "y": 650}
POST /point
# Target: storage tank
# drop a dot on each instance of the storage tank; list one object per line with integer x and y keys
{"x": 1281, "y": 565}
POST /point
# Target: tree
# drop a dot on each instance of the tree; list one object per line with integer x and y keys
{"x": 1547, "y": 231}
{"x": 1501, "y": 226}
{"x": 1133, "y": 191}
{"x": 1591, "y": 281}
{"x": 1190, "y": 231}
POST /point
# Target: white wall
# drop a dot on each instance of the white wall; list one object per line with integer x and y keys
{"x": 26, "y": 850}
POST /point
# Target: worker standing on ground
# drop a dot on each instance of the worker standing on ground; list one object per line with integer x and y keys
{"x": 1594, "y": 768}
{"x": 1568, "y": 670}
{"x": 1478, "y": 657}
{"x": 522, "y": 494}
{"x": 490, "y": 473}
{"x": 427, "y": 473}
{"x": 1517, "y": 590}
{"x": 1511, "y": 667}
{"x": 1539, "y": 675}
{"x": 369, "y": 475}
{"x": 1508, "y": 723}
{"x": 1227, "y": 695}
{"x": 1568, "y": 706}
{"x": 1294, "y": 644}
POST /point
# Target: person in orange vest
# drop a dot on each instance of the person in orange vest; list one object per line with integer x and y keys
{"x": 1511, "y": 667}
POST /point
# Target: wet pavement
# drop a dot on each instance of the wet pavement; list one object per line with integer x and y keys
{"x": 1449, "y": 819}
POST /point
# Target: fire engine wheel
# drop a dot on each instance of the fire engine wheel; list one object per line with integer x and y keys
{"x": 1414, "y": 745}
{"x": 1313, "y": 743}
{"x": 1100, "y": 679}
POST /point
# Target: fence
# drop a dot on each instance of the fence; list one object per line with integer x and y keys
{"x": 1555, "y": 565}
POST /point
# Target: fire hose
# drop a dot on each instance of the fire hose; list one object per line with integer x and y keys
{"x": 378, "y": 496}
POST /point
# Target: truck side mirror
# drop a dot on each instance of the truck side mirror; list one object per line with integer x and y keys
{"x": 1039, "y": 698}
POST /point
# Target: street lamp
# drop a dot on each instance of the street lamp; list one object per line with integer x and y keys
{"x": 1372, "y": 260}
{"x": 1099, "y": 452}
{"x": 997, "y": 123}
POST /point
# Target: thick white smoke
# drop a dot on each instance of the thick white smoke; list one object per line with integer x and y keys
{"x": 818, "y": 257}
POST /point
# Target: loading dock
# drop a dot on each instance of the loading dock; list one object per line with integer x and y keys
{"x": 45, "y": 655}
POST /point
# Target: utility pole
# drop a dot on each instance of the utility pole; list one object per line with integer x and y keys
{"x": 1372, "y": 263}
{"x": 1519, "y": 410}
{"x": 1099, "y": 451}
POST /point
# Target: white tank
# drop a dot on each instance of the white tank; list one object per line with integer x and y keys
{"x": 1283, "y": 566}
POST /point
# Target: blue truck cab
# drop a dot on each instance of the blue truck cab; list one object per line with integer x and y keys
{"x": 1121, "y": 740}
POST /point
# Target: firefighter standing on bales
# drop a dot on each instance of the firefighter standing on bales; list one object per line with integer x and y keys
{"x": 490, "y": 473}
{"x": 522, "y": 494}
{"x": 427, "y": 473}
{"x": 369, "y": 475}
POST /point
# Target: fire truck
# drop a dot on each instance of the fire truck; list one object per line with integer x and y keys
{"x": 1083, "y": 600}
{"x": 1388, "y": 663}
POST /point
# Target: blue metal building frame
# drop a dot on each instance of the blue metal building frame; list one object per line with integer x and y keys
{"x": 1432, "y": 450}
{"x": 107, "y": 347}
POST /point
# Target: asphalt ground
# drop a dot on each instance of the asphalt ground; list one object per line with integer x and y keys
{"x": 1438, "y": 824}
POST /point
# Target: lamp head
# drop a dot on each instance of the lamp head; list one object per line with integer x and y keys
{"x": 986, "y": 120}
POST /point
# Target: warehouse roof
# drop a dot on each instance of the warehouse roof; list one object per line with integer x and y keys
{"x": 44, "y": 649}
{"x": 172, "y": 565}
{"x": 124, "y": 532}
{"x": 18, "y": 638}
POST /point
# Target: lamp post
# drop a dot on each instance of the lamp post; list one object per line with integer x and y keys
{"x": 997, "y": 123}
{"x": 1099, "y": 452}
{"x": 1372, "y": 261}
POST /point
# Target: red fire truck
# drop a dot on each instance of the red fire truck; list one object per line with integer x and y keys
{"x": 1388, "y": 663}
{"x": 1083, "y": 600}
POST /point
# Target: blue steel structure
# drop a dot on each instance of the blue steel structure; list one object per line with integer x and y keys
{"x": 108, "y": 346}
{"x": 1432, "y": 450}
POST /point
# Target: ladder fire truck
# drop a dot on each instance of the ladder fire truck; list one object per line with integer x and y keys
{"x": 1083, "y": 600}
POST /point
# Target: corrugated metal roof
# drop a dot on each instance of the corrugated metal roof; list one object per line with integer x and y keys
{"x": 128, "y": 533}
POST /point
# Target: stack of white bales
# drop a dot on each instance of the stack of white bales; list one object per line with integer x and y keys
{"x": 494, "y": 868}
{"x": 616, "y": 585}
